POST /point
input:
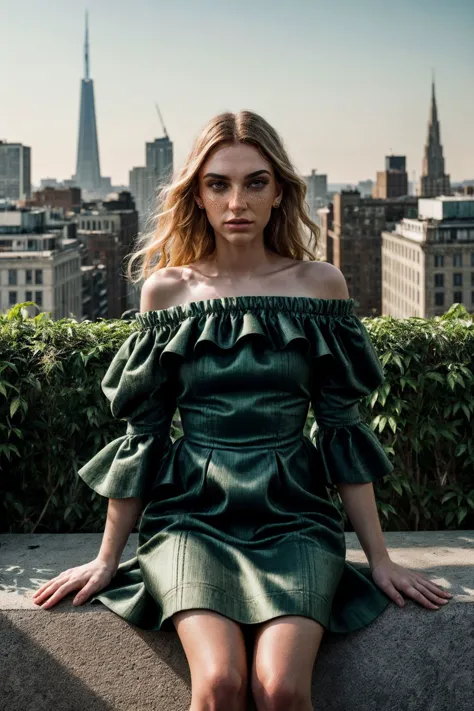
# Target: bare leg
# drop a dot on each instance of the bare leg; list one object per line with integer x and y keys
{"x": 214, "y": 646}
{"x": 284, "y": 654}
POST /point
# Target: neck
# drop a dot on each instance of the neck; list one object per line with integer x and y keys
{"x": 240, "y": 262}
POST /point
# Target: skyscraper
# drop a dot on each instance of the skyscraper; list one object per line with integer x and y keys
{"x": 316, "y": 192}
{"x": 393, "y": 181}
{"x": 433, "y": 180}
{"x": 87, "y": 174}
{"x": 15, "y": 171}
{"x": 146, "y": 182}
{"x": 159, "y": 159}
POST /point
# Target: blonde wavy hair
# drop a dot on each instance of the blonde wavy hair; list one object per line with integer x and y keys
{"x": 182, "y": 233}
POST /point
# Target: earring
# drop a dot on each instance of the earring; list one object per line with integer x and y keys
{"x": 276, "y": 204}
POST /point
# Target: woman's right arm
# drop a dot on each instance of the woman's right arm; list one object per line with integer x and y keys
{"x": 122, "y": 516}
{"x": 158, "y": 291}
{"x": 91, "y": 577}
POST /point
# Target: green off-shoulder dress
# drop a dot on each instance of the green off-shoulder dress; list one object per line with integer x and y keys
{"x": 236, "y": 515}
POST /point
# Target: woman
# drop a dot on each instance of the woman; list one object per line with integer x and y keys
{"x": 242, "y": 333}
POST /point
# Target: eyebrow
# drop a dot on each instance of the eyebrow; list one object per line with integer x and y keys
{"x": 225, "y": 177}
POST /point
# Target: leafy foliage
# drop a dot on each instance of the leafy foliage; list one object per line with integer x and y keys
{"x": 54, "y": 418}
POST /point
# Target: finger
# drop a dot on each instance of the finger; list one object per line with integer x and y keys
{"x": 51, "y": 588}
{"x": 52, "y": 580}
{"x": 45, "y": 585}
{"x": 434, "y": 597}
{"x": 390, "y": 590}
{"x": 83, "y": 595}
{"x": 55, "y": 586}
{"x": 59, "y": 594}
{"x": 419, "y": 597}
{"x": 433, "y": 586}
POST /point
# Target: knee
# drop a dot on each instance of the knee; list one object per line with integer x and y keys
{"x": 280, "y": 695}
{"x": 221, "y": 689}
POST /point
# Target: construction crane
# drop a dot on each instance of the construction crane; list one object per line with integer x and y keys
{"x": 161, "y": 120}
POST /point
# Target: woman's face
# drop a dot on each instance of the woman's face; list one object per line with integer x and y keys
{"x": 237, "y": 183}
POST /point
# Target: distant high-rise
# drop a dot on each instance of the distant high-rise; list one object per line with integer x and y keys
{"x": 316, "y": 192}
{"x": 433, "y": 181}
{"x": 15, "y": 171}
{"x": 145, "y": 182}
{"x": 87, "y": 174}
{"x": 393, "y": 181}
{"x": 142, "y": 187}
{"x": 159, "y": 159}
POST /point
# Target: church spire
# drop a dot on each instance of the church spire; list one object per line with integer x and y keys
{"x": 86, "y": 50}
{"x": 434, "y": 108}
{"x": 434, "y": 180}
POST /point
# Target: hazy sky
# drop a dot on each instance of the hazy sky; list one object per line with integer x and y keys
{"x": 343, "y": 82}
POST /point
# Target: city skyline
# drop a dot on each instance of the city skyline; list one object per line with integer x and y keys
{"x": 353, "y": 116}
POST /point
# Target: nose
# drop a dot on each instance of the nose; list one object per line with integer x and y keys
{"x": 237, "y": 199}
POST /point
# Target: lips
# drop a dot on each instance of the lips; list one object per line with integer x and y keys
{"x": 238, "y": 222}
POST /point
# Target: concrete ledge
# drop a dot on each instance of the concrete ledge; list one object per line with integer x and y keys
{"x": 89, "y": 659}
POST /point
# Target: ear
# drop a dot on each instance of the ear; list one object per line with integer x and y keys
{"x": 278, "y": 195}
{"x": 198, "y": 200}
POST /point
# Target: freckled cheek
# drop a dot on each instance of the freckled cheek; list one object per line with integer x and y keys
{"x": 215, "y": 206}
{"x": 259, "y": 204}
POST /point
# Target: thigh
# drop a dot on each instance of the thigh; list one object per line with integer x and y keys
{"x": 214, "y": 646}
{"x": 285, "y": 651}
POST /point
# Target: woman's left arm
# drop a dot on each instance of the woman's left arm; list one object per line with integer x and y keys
{"x": 359, "y": 503}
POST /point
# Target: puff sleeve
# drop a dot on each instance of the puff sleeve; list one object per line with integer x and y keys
{"x": 141, "y": 393}
{"x": 350, "y": 450}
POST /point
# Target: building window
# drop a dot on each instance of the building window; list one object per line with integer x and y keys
{"x": 38, "y": 276}
{"x": 28, "y": 296}
{"x": 472, "y": 259}
{"x": 12, "y": 276}
{"x": 39, "y": 298}
{"x": 12, "y": 299}
{"x": 29, "y": 276}
{"x": 457, "y": 297}
{"x": 439, "y": 279}
{"x": 457, "y": 279}
{"x": 439, "y": 298}
{"x": 472, "y": 278}
{"x": 457, "y": 259}
{"x": 439, "y": 260}
{"x": 472, "y": 297}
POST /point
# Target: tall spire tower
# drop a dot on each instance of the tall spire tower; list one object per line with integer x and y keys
{"x": 433, "y": 180}
{"x": 88, "y": 168}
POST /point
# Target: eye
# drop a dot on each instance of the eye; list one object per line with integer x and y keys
{"x": 217, "y": 185}
{"x": 260, "y": 183}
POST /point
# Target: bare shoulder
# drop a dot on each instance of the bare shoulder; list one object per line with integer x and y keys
{"x": 162, "y": 289}
{"x": 324, "y": 280}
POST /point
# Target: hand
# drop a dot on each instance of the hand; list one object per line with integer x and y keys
{"x": 391, "y": 578}
{"x": 88, "y": 578}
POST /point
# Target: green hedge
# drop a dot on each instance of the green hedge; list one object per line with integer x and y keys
{"x": 54, "y": 417}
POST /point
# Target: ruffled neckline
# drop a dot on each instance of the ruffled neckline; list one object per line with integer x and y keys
{"x": 309, "y": 305}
